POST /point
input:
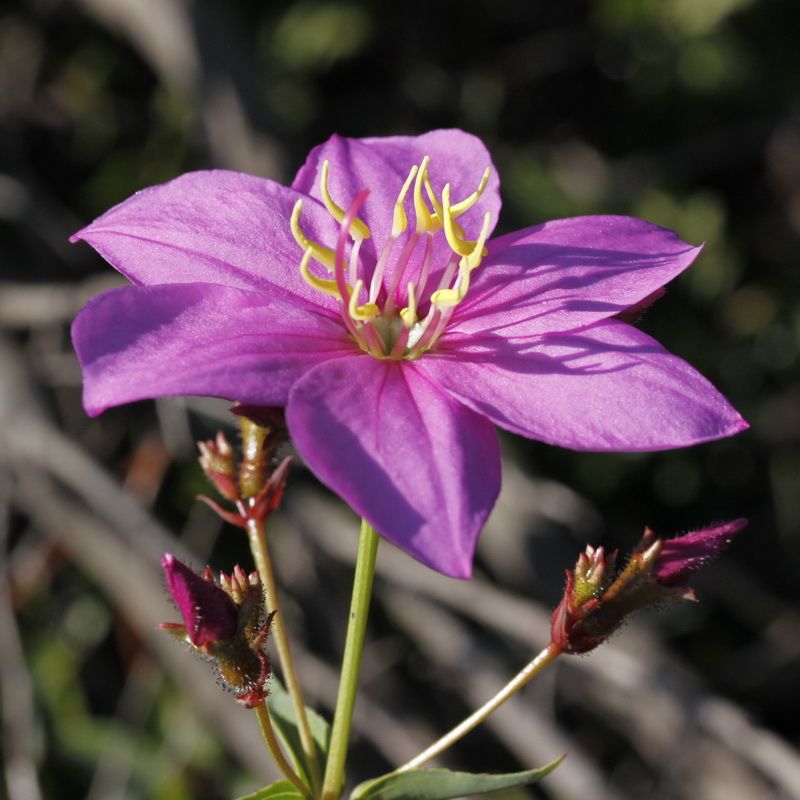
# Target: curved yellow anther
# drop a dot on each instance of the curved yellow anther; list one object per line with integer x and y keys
{"x": 409, "y": 313}
{"x": 365, "y": 312}
{"x": 424, "y": 220}
{"x": 357, "y": 228}
{"x": 452, "y": 297}
{"x": 457, "y": 243}
{"x": 322, "y": 254}
{"x": 466, "y": 204}
{"x": 474, "y": 258}
{"x": 436, "y": 217}
{"x": 399, "y": 218}
{"x": 323, "y": 285}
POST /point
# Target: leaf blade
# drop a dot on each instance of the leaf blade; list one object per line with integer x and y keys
{"x": 281, "y": 790}
{"x": 443, "y": 784}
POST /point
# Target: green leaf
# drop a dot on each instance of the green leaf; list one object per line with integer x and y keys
{"x": 442, "y": 784}
{"x": 282, "y": 790}
{"x": 281, "y": 710}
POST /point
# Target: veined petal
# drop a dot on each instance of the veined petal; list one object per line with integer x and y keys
{"x": 420, "y": 467}
{"x": 607, "y": 388}
{"x": 568, "y": 274}
{"x": 217, "y": 227}
{"x": 138, "y": 342}
{"x": 381, "y": 164}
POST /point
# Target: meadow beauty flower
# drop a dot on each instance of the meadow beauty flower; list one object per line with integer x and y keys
{"x": 368, "y": 300}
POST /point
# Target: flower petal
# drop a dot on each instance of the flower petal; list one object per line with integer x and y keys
{"x": 382, "y": 164}
{"x": 137, "y": 342}
{"x": 213, "y": 227}
{"x": 568, "y": 274}
{"x": 420, "y": 467}
{"x": 610, "y": 387}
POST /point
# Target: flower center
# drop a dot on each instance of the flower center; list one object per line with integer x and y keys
{"x": 384, "y": 320}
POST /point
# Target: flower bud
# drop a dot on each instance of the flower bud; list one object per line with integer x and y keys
{"x": 682, "y": 556}
{"x": 219, "y": 464}
{"x": 209, "y": 614}
{"x": 224, "y": 621}
{"x": 596, "y": 602}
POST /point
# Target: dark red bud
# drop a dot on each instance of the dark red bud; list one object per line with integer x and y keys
{"x": 209, "y": 614}
{"x": 682, "y": 556}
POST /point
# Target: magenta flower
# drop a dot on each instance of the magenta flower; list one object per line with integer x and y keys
{"x": 393, "y": 332}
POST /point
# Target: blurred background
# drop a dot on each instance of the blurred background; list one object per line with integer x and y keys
{"x": 684, "y": 112}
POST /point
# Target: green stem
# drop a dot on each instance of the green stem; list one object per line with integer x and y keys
{"x": 351, "y": 662}
{"x": 260, "y": 551}
{"x": 527, "y": 673}
{"x": 265, "y": 723}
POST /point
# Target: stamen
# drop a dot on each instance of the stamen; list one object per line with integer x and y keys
{"x": 409, "y": 313}
{"x": 321, "y": 284}
{"x": 380, "y": 268}
{"x": 452, "y": 297}
{"x": 322, "y": 254}
{"x": 398, "y": 350}
{"x": 474, "y": 258}
{"x": 424, "y": 221}
{"x": 399, "y": 271}
{"x": 354, "y": 256}
{"x": 358, "y": 228}
{"x": 399, "y": 218}
{"x": 458, "y": 244}
{"x": 425, "y": 272}
{"x": 365, "y": 312}
{"x": 466, "y": 204}
{"x": 341, "y": 242}
{"x": 436, "y": 219}
{"x": 471, "y": 261}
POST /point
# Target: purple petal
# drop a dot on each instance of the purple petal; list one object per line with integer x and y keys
{"x": 420, "y": 467}
{"x": 137, "y": 342}
{"x": 382, "y": 164}
{"x": 610, "y": 387}
{"x": 212, "y": 227}
{"x": 209, "y": 613}
{"x": 568, "y": 274}
{"x": 684, "y": 555}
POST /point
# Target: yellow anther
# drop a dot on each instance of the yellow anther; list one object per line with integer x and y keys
{"x": 452, "y": 297}
{"x": 457, "y": 243}
{"x": 474, "y": 258}
{"x": 322, "y": 254}
{"x": 436, "y": 217}
{"x": 409, "y": 313}
{"x": 399, "y": 219}
{"x": 323, "y": 285}
{"x": 466, "y": 204}
{"x": 424, "y": 221}
{"x": 357, "y": 228}
{"x": 365, "y": 312}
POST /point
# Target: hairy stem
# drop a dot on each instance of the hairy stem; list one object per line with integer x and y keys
{"x": 550, "y": 653}
{"x": 351, "y": 662}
